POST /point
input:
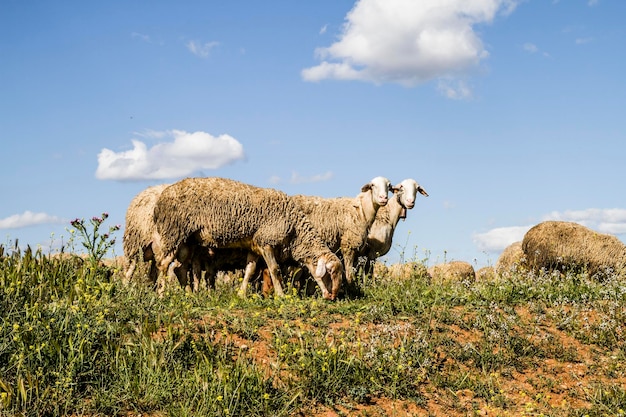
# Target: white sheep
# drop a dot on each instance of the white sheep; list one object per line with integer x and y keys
{"x": 140, "y": 241}
{"x": 221, "y": 213}
{"x": 139, "y": 230}
{"x": 380, "y": 235}
{"x": 343, "y": 223}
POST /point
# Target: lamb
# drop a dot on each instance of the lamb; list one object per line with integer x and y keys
{"x": 222, "y": 213}
{"x": 342, "y": 222}
{"x": 139, "y": 230}
{"x": 380, "y": 234}
{"x": 563, "y": 246}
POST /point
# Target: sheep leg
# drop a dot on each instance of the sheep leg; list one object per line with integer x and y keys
{"x": 196, "y": 271}
{"x": 270, "y": 259}
{"x": 251, "y": 261}
{"x": 130, "y": 271}
{"x": 348, "y": 263}
{"x": 163, "y": 267}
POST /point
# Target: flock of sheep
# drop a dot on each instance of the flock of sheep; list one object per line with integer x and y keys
{"x": 196, "y": 227}
{"x": 199, "y": 226}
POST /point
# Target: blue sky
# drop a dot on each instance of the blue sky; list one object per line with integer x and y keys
{"x": 507, "y": 112}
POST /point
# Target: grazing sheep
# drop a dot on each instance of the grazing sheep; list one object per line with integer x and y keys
{"x": 407, "y": 270}
{"x": 381, "y": 232}
{"x": 139, "y": 230}
{"x": 511, "y": 259}
{"x": 343, "y": 223}
{"x": 140, "y": 238}
{"x": 222, "y": 213}
{"x": 452, "y": 271}
{"x": 563, "y": 246}
{"x": 486, "y": 273}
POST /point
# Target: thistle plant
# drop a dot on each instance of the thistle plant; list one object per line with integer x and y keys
{"x": 97, "y": 244}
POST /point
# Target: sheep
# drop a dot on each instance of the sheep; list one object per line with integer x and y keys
{"x": 140, "y": 239}
{"x": 511, "y": 259}
{"x": 139, "y": 230}
{"x": 407, "y": 270}
{"x": 381, "y": 232}
{"x": 486, "y": 273}
{"x": 223, "y": 213}
{"x": 343, "y": 223}
{"x": 563, "y": 246}
{"x": 452, "y": 271}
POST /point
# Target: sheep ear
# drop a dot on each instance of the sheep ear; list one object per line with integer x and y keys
{"x": 396, "y": 188}
{"x": 320, "y": 271}
{"x": 366, "y": 187}
{"x": 422, "y": 191}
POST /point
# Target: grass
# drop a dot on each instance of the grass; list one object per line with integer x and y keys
{"x": 74, "y": 340}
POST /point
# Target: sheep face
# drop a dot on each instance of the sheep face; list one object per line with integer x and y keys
{"x": 379, "y": 187}
{"x": 407, "y": 192}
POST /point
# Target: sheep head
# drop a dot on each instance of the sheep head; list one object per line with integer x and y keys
{"x": 407, "y": 192}
{"x": 330, "y": 271}
{"x": 379, "y": 187}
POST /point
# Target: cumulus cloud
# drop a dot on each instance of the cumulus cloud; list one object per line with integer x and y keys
{"x": 611, "y": 221}
{"x": 407, "y": 42}
{"x": 28, "y": 218}
{"x": 185, "y": 154}
{"x": 496, "y": 240}
{"x": 203, "y": 50}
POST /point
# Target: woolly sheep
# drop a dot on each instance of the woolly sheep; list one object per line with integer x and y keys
{"x": 223, "y": 213}
{"x": 452, "y": 271}
{"x": 139, "y": 230}
{"x": 343, "y": 223}
{"x": 380, "y": 235}
{"x": 140, "y": 239}
{"x": 557, "y": 245}
{"x": 407, "y": 270}
{"x": 486, "y": 273}
{"x": 511, "y": 259}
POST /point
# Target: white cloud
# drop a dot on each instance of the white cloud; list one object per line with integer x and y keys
{"x": 603, "y": 220}
{"x": 187, "y": 153}
{"x": 28, "y": 218}
{"x": 583, "y": 41}
{"x": 298, "y": 179}
{"x": 496, "y": 240}
{"x": 407, "y": 42}
{"x": 612, "y": 221}
{"x": 530, "y": 47}
{"x": 201, "y": 49}
{"x": 454, "y": 89}
{"x": 140, "y": 36}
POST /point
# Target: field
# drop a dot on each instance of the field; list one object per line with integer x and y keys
{"x": 75, "y": 340}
